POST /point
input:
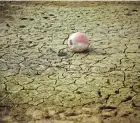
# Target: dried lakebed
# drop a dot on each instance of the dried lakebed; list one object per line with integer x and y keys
{"x": 41, "y": 81}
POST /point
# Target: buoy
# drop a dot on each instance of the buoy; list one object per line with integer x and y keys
{"x": 78, "y": 42}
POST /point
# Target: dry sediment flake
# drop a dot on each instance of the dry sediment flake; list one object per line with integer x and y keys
{"x": 38, "y": 70}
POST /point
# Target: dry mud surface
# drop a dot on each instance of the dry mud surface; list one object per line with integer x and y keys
{"x": 42, "y": 81}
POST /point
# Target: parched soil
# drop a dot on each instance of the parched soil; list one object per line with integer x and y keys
{"x": 42, "y": 81}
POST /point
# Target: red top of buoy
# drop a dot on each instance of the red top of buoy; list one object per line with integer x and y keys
{"x": 80, "y": 37}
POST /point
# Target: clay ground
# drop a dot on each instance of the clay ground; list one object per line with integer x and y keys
{"x": 42, "y": 81}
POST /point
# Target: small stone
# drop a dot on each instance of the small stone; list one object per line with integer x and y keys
{"x": 61, "y": 53}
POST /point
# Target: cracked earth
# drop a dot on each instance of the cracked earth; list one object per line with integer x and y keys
{"x": 42, "y": 81}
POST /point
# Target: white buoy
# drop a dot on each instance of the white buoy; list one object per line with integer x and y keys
{"x": 78, "y": 42}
